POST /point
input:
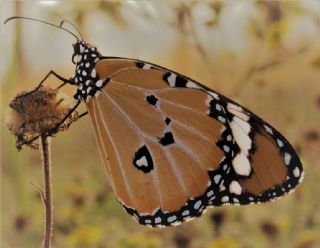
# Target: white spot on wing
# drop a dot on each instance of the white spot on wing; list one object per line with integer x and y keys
{"x": 241, "y": 165}
{"x": 192, "y": 85}
{"x": 210, "y": 193}
{"x": 232, "y": 106}
{"x": 218, "y": 107}
{"x": 280, "y": 143}
{"x": 197, "y": 204}
{"x": 237, "y": 111}
{"x": 185, "y": 213}
{"x": 287, "y": 158}
{"x": 226, "y": 148}
{"x": 157, "y": 220}
{"x": 225, "y": 167}
{"x": 225, "y": 198}
{"x": 296, "y": 172}
{"x": 215, "y": 95}
{"x": 142, "y": 161}
{"x": 172, "y": 79}
{"x": 172, "y": 218}
{"x": 240, "y": 130}
{"x": 146, "y": 66}
{"x": 222, "y": 119}
{"x": 245, "y": 126}
{"x": 268, "y": 129}
{"x": 235, "y": 188}
{"x": 217, "y": 178}
{"x": 99, "y": 83}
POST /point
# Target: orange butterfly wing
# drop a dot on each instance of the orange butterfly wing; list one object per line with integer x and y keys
{"x": 172, "y": 147}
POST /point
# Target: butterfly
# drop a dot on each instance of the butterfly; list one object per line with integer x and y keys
{"x": 173, "y": 147}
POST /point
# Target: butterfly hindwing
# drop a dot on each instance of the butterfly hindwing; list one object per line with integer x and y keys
{"x": 173, "y": 147}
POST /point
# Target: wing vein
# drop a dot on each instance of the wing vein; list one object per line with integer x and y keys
{"x": 167, "y": 152}
{"x": 141, "y": 136}
{"x": 123, "y": 174}
{"x": 161, "y": 90}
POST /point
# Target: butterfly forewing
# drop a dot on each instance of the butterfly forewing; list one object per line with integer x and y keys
{"x": 172, "y": 147}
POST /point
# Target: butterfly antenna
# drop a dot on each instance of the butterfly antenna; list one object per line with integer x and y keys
{"x": 48, "y": 23}
{"x": 74, "y": 26}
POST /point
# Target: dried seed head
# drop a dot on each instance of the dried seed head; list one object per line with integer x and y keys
{"x": 38, "y": 112}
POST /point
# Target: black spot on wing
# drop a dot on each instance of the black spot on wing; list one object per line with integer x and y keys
{"x": 167, "y": 120}
{"x": 142, "y": 159}
{"x": 167, "y": 139}
{"x": 140, "y": 64}
{"x": 181, "y": 82}
{"x": 152, "y": 100}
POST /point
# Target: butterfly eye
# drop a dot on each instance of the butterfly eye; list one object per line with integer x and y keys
{"x": 74, "y": 56}
{"x": 76, "y": 48}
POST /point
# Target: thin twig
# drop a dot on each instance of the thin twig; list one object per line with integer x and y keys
{"x": 40, "y": 190}
{"x": 45, "y": 147}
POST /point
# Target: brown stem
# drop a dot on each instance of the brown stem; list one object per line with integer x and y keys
{"x": 45, "y": 147}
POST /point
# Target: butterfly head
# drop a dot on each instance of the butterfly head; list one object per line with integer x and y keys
{"x": 84, "y": 52}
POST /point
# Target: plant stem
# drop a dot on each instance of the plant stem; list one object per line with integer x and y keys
{"x": 45, "y": 147}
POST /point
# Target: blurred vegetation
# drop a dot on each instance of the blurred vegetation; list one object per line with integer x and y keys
{"x": 263, "y": 54}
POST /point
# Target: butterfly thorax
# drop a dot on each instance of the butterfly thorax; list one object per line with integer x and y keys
{"x": 85, "y": 57}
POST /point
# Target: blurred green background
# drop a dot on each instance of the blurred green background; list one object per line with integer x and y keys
{"x": 263, "y": 54}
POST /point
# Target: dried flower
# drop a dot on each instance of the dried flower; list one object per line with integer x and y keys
{"x": 37, "y": 112}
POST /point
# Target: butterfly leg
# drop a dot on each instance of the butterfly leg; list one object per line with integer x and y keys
{"x": 83, "y": 114}
{"x": 67, "y": 116}
{"x": 73, "y": 118}
{"x": 64, "y": 80}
